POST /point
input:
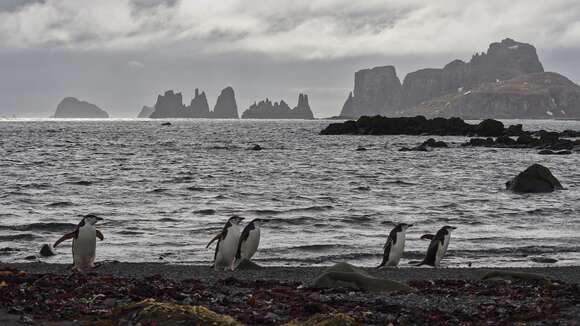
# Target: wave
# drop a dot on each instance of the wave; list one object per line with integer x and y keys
{"x": 60, "y": 204}
{"x": 51, "y": 226}
{"x": 208, "y": 211}
{"x": 24, "y": 236}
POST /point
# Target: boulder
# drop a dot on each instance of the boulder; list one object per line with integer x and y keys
{"x": 71, "y": 107}
{"x": 505, "y": 140}
{"x": 343, "y": 275}
{"x": 526, "y": 139}
{"x": 46, "y": 251}
{"x": 535, "y": 179}
{"x": 515, "y": 130}
{"x": 490, "y": 128}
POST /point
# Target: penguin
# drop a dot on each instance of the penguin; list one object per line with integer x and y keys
{"x": 84, "y": 242}
{"x": 227, "y": 243}
{"x": 438, "y": 246}
{"x": 394, "y": 246}
{"x": 249, "y": 240}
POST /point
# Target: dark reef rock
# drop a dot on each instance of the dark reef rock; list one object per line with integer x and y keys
{"x": 226, "y": 107}
{"x": 71, "y": 107}
{"x": 418, "y": 125}
{"x": 551, "y": 152}
{"x": 535, "y": 179}
{"x": 267, "y": 110}
{"x": 434, "y": 143}
{"x": 490, "y": 128}
{"x": 146, "y": 112}
{"x": 170, "y": 105}
{"x": 506, "y": 82}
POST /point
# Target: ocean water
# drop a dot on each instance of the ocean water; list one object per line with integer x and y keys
{"x": 164, "y": 192}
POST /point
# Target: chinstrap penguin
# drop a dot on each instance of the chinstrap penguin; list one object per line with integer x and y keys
{"x": 227, "y": 244}
{"x": 438, "y": 246}
{"x": 84, "y": 242}
{"x": 249, "y": 240}
{"x": 395, "y": 245}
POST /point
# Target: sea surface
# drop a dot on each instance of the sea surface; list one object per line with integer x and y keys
{"x": 165, "y": 191}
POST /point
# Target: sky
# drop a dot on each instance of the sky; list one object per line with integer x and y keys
{"x": 120, "y": 54}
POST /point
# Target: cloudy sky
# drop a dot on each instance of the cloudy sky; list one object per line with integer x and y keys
{"x": 119, "y": 54}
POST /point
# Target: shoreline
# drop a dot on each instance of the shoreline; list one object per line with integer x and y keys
{"x": 568, "y": 274}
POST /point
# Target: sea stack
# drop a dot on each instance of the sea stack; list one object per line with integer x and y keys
{"x": 168, "y": 105}
{"x": 71, "y": 107}
{"x": 226, "y": 107}
{"x": 265, "y": 109}
{"x": 198, "y": 108}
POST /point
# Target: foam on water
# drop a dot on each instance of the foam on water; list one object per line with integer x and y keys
{"x": 164, "y": 192}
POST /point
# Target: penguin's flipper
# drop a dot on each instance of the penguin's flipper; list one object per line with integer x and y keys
{"x": 212, "y": 240}
{"x": 100, "y": 235}
{"x": 427, "y": 237}
{"x": 65, "y": 237}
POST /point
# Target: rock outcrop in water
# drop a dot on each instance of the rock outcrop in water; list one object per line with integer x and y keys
{"x": 146, "y": 112}
{"x": 170, "y": 105}
{"x": 508, "y": 81}
{"x": 226, "y": 107}
{"x": 71, "y": 107}
{"x": 535, "y": 179}
{"x": 418, "y": 125}
{"x": 265, "y": 109}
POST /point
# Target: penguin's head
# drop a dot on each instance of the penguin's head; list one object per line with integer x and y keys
{"x": 404, "y": 226}
{"x": 258, "y": 221}
{"x": 92, "y": 219}
{"x": 449, "y": 228}
{"x": 236, "y": 220}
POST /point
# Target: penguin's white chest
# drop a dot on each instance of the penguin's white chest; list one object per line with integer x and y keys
{"x": 227, "y": 248}
{"x": 397, "y": 250}
{"x": 442, "y": 249}
{"x": 250, "y": 245}
{"x": 84, "y": 247}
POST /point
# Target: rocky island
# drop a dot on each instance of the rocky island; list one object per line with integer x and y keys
{"x": 506, "y": 82}
{"x": 72, "y": 108}
{"x": 265, "y": 109}
{"x": 170, "y": 105}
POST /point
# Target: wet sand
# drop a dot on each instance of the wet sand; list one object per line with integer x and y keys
{"x": 290, "y": 274}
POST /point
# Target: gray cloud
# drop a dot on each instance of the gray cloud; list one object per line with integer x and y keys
{"x": 120, "y": 53}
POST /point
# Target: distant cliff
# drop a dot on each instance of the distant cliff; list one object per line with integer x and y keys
{"x": 71, "y": 107}
{"x": 265, "y": 109}
{"x": 146, "y": 112}
{"x": 507, "y": 81}
{"x": 170, "y": 105}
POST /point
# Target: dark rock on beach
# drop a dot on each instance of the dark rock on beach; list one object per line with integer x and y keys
{"x": 535, "y": 179}
{"x": 71, "y": 107}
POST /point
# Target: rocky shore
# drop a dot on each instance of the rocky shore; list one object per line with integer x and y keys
{"x": 126, "y": 293}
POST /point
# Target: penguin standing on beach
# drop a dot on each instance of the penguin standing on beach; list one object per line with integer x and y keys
{"x": 84, "y": 242}
{"x": 438, "y": 246}
{"x": 227, "y": 244}
{"x": 395, "y": 245}
{"x": 249, "y": 241}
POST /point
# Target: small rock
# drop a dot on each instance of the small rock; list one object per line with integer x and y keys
{"x": 166, "y": 124}
{"x": 256, "y": 148}
{"x": 31, "y": 257}
{"x": 435, "y": 144}
{"x": 46, "y": 251}
{"x": 360, "y": 148}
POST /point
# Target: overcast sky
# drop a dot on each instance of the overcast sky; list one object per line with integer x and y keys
{"x": 119, "y": 54}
